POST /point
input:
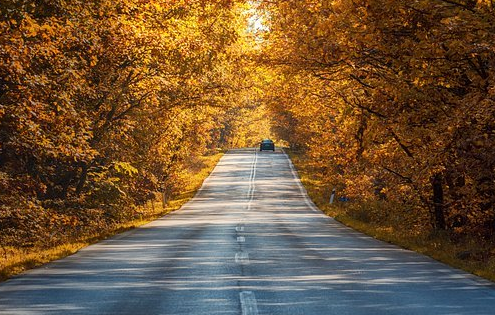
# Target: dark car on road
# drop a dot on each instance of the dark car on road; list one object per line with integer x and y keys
{"x": 267, "y": 144}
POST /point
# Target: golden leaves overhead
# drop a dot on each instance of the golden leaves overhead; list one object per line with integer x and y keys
{"x": 142, "y": 86}
{"x": 403, "y": 99}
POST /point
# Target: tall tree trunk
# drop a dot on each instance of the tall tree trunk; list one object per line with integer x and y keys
{"x": 82, "y": 178}
{"x": 438, "y": 204}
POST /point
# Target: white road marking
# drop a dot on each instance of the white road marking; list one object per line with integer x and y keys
{"x": 239, "y": 228}
{"x": 252, "y": 177}
{"x": 248, "y": 303}
{"x": 303, "y": 191}
{"x": 242, "y": 258}
{"x": 241, "y": 239}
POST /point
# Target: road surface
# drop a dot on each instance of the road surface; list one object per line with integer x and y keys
{"x": 250, "y": 242}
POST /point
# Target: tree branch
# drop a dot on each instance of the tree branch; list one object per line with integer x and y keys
{"x": 402, "y": 145}
{"x": 470, "y": 6}
{"x": 405, "y": 178}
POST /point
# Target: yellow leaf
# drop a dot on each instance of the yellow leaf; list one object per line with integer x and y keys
{"x": 94, "y": 61}
{"x": 47, "y": 28}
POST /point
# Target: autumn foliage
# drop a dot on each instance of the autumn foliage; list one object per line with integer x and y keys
{"x": 392, "y": 101}
{"x": 104, "y": 104}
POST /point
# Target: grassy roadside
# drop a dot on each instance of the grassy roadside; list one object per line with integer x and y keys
{"x": 474, "y": 256}
{"x": 17, "y": 260}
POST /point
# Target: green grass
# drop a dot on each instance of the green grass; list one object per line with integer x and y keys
{"x": 17, "y": 260}
{"x": 479, "y": 255}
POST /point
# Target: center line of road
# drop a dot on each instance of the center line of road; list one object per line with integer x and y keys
{"x": 242, "y": 258}
{"x": 241, "y": 239}
{"x": 252, "y": 177}
{"x": 248, "y": 303}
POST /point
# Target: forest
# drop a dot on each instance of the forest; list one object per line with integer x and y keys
{"x": 398, "y": 100}
{"x": 105, "y": 105}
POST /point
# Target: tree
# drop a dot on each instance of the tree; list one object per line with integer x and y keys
{"x": 405, "y": 99}
{"x": 103, "y": 103}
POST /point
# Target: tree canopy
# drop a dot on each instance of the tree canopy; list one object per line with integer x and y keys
{"x": 393, "y": 100}
{"x": 104, "y": 103}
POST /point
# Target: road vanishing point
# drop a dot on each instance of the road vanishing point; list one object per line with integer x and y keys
{"x": 250, "y": 242}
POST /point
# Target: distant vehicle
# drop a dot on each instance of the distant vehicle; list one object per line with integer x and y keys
{"x": 267, "y": 144}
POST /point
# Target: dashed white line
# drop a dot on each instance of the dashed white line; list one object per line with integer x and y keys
{"x": 242, "y": 258}
{"x": 248, "y": 303}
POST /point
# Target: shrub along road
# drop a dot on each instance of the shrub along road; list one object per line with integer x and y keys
{"x": 250, "y": 242}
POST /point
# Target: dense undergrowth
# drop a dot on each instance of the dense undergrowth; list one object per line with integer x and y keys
{"x": 39, "y": 235}
{"x": 397, "y": 224}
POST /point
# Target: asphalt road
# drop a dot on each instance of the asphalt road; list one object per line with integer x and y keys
{"x": 250, "y": 242}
